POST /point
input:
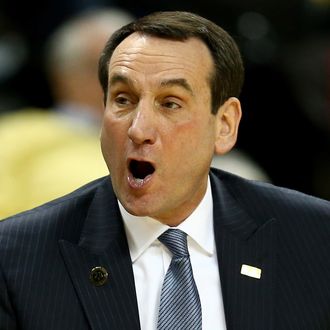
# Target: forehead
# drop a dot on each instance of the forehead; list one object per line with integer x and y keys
{"x": 158, "y": 56}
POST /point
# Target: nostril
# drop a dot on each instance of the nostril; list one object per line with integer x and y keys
{"x": 141, "y": 169}
{"x": 140, "y": 138}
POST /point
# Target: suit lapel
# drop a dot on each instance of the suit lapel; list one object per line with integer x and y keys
{"x": 112, "y": 305}
{"x": 248, "y": 301}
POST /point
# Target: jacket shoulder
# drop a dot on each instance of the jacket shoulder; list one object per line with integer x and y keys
{"x": 66, "y": 211}
{"x": 265, "y": 199}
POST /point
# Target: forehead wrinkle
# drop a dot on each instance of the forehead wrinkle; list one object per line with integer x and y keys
{"x": 148, "y": 62}
{"x": 142, "y": 65}
{"x": 144, "y": 54}
{"x": 147, "y": 68}
{"x": 154, "y": 49}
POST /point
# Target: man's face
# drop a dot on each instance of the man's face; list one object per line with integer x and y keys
{"x": 158, "y": 134}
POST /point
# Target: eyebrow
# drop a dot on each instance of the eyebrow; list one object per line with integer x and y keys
{"x": 118, "y": 78}
{"x": 177, "y": 82}
{"x": 181, "y": 82}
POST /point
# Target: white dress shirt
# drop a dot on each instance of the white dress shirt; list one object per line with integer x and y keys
{"x": 150, "y": 260}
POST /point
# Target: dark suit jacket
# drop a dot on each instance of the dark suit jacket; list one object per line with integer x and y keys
{"x": 46, "y": 256}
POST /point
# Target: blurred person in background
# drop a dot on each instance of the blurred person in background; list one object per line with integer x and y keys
{"x": 71, "y": 64}
{"x": 47, "y": 153}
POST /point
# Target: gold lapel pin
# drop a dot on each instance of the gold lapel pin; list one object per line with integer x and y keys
{"x": 251, "y": 271}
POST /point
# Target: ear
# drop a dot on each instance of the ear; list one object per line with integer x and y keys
{"x": 228, "y": 118}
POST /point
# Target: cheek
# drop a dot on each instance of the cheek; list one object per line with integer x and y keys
{"x": 105, "y": 147}
{"x": 105, "y": 136}
{"x": 111, "y": 137}
{"x": 196, "y": 141}
{"x": 195, "y": 133}
{"x": 183, "y": 143}
{"x": 112, "y": 128}
{"x": 181, "y": 134}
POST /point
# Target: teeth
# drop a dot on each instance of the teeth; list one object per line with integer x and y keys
{"x": 138, "y": 181}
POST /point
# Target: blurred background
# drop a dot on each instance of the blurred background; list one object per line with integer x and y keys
{"x": 50, "y": 105}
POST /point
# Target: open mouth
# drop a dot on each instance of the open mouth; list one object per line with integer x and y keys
{"x": 141, "y": 169}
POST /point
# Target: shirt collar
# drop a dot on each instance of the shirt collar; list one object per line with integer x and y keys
{"x": 141, "y": 232}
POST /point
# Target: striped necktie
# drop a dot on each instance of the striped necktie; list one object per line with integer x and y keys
{"x": 180, "y": 306}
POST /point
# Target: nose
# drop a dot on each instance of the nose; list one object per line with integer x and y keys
{"x": 142, "y": 129}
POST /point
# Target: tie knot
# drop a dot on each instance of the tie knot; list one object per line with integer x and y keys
{"x": 176, "y": 241}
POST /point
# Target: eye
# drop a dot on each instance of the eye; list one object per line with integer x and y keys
{"x": 122, "y": 100}
{"x": 171, "y": 105}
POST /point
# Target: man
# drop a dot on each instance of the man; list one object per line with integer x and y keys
{"x": 259, "y": 255}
